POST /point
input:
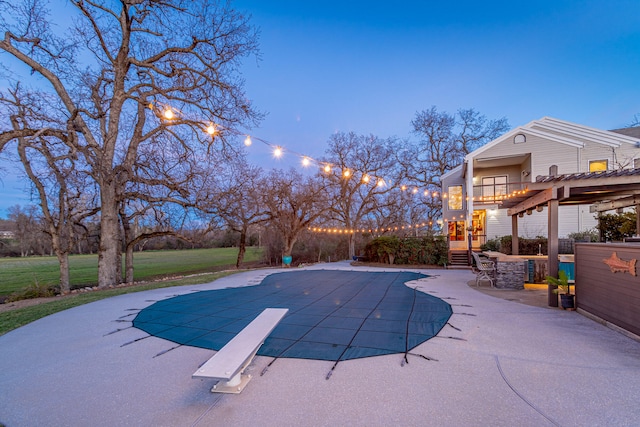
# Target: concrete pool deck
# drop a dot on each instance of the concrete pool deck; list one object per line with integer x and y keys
{"x": 504, "y": 363}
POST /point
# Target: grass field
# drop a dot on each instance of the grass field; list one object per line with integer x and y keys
{"x": 13, "y": 319}
{"x": 17, "y": 274}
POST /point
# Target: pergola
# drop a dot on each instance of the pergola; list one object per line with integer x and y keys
{"x": 604, "y": 190}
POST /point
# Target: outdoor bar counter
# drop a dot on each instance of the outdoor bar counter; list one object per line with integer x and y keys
{"x": 510, "y": 270}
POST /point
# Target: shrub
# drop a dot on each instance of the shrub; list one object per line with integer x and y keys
{"x": 383, "y": 249}
{"x": 430, "y": 250}
{"x": 525, "y": 246}
{"x": 585, "y": 236}
{"x": 35, "y": 290}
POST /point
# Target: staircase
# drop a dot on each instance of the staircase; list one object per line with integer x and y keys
{"x": 458, "y": 259}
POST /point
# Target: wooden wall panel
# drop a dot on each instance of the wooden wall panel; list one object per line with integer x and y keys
{"x": 612, "y": 296}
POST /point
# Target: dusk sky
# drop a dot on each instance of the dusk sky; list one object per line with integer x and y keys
{"x": 368, "y": 67}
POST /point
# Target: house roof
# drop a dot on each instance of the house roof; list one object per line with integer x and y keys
{"x": 589, "y": 175}
{"x": 567, "y": 133}
{"x": 608, "y": 190}
{"x": 633, "y": 132}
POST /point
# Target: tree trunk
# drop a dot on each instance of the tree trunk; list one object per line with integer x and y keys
{"x": 128, "y": 265}
{"x": 288, "y": 247}
{"x": 63, "y": 260}
{"x": 243, "y": 246}
{"x": 352, "y": 246}
{"x": 109, "y": 255}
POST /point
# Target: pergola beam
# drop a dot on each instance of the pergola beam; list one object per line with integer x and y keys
{"x": 542, "y": 198}
{"x": 615, "y": 204}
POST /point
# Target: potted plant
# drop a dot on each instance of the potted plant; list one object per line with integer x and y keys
{"x": 567, "y": 299}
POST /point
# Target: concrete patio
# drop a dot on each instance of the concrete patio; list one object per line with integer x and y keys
{"x": 503, "y": 364}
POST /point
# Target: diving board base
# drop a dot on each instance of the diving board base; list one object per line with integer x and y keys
{"x": 233, "y": 386}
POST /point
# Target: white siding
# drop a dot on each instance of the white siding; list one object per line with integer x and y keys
{"x": 571, "y": 219}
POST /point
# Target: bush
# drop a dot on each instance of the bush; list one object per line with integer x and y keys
{"x": 35, "y": 290}
{"x": 383, "y": 249}
{"x": 429, "y": 250}
{"x": 525, "y": 246}
{"x": 585, "y": 236}
{"x": 615, "y": 227}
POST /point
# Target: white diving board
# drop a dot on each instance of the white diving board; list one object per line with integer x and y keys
{"x": 228, "y": 364}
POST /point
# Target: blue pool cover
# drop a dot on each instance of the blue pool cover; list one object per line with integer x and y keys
{"x": 333, "y": 315}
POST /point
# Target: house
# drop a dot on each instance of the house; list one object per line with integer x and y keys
{"x": 475, "y": 193}
{"x": 6, "y": 234}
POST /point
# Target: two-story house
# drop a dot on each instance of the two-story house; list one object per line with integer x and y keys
{"x": 473, "y": 193}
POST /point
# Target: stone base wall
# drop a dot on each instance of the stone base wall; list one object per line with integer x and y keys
{"x": 510, "y": 274}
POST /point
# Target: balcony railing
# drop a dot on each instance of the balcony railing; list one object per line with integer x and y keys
{"x": 496, "y": 193}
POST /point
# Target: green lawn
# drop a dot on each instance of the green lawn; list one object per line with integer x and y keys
{"x": 13, "y": 319}
{"x": 18, "y": 273}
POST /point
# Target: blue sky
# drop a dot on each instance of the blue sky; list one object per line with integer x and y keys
{"x": 368, "y": 67}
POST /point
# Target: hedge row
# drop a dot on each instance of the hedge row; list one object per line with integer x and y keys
{"x": 429, "y": 250}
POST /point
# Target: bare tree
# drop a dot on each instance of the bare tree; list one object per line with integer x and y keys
{"x": 238, "y": 200}
{"x": 293, "y": 202}
{"x": 363, "y": 169}
{"x": 27, "y": 228}
{"x": 125, "y": 73}
{"x": 60, "y": 188}
{"x": 444, "y": 141}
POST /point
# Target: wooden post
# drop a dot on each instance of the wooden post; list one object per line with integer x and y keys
{"x": 515, "y": 243}
{"x": 552, "y": 245}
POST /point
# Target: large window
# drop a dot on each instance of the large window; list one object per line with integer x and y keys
{"x": 598, "y": 165}
{"x": 455, "y": 198}
{"x": 494, "y": 187}
{"x": 456, "y": 230}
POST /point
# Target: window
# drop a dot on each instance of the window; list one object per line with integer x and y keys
{"x": 598, "y": 165}
{"x": 494, "y": 187}
{"x": 455, "y": 198}
{"x": 456, "y": 230}
{"x": 636, "y": 163}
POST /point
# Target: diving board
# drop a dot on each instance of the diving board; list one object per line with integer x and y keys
{"x": 228, "y": 364}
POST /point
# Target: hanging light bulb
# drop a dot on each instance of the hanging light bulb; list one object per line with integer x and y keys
{"x": 305, "y": 161}
{"x": 380, "y": 183}
{"x": 403, "y": 188}
{"x": 415, "y": 190}
{"x": 247, "y": 141}
{"x": 168, "y": 114}
{"x": 346, "y": 173}
{"x": 327, "y": 168}
{"x": 365, "y": 178}
{"x": 211, "y": 129}
{"x": 277, "y": 152}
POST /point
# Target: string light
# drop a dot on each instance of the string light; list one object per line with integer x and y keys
{"x": 331, "y": 230}
{"x": 166, "y": 112}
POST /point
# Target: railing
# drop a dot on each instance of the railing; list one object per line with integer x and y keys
{"x": 495, "y": 193}
{"x": 478, "y": 240}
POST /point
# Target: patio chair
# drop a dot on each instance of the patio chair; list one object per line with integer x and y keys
{"x": 485, "y": 269}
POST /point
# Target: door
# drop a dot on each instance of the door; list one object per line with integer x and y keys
{"x": 478, "y": 228}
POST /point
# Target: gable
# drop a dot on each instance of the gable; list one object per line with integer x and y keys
{"x": 557, "y": 132}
